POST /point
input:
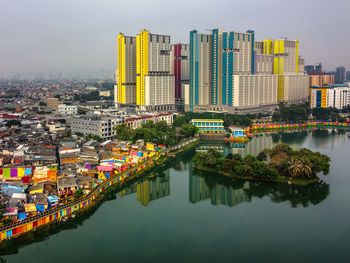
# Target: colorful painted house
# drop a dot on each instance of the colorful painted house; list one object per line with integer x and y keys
{"x": 237, "y": 134}
{"x": 210, "y": 126}
{"x": 237, "y": 131}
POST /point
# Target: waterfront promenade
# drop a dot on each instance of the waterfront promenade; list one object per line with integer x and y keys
{"x": 55, "y": 213}
{"x": 272, "y": 126}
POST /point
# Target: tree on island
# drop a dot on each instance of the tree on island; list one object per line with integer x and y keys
{"x": 283, "y": 161}
{"x": 303, "y": 163}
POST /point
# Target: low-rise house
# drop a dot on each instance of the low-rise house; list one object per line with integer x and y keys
{"x": 236, "y": 131}
{"x": 40, "y": 201}
{"x": 66, "y": 185}
{"x": 69, "y": 156}
{"x": 45, "y": 173}
{"x": 85, "y": 182}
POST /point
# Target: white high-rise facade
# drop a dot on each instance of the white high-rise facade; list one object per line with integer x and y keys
{"x": 333, "y": 95}
{"x": 143, "y": 72}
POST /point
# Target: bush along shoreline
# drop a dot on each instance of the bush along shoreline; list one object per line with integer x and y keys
{"x": 281, "y": 164}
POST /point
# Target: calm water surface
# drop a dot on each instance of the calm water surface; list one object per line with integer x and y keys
{"x": 182, "y": 215}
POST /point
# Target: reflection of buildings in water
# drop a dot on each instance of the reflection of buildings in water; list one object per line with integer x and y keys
{"x": 128, "y": 190}
{"x": 222, "y": 195}
{"x": 261, "y": 141}
{"x": 184, "y": 166}
{"x": 152, "y": 189}
{"x": 326, "y": 138}
{"x": 256, "y": 145}
{"x": 206, "y": 147}
{"x": 181, "y": 164}
{"x": 219, "y": 195}
{"x": 198, "y": 188}
{"x": 317, "y": 138}
{"x": 295, "y": 139}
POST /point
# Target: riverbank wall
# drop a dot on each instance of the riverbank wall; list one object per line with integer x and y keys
{"x": 53, "y": 214}
{"x": 279, "y": 179}
{"x": 311, "y": 124}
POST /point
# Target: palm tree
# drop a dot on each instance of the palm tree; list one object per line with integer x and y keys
{"x": 247, "y": 169}
{"x": 294, "y": 167}
{"x": 306, "y": 168}
{"x": 211, "y": 161}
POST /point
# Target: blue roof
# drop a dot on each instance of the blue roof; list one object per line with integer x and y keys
{"x": 9, "y": 189}
{"x": 338, "y": 85}
{"x": 331, "y": 86}
{"x": 53, "y": 198}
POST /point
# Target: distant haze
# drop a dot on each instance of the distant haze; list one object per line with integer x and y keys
{"x": 68, "y": 35}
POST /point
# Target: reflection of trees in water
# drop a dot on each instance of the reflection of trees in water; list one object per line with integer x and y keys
{"x": 180, "y": 162}
{"x": 289, "y": 137}
{"x": 212, "y": 180}
{"x": 341, "y": 131}
{"x": 278, "y": 193}
{"x": 178, "y": 166}
{"x": 12, "y": 246}
{"x": 320, "y": 133}
{"x": 296, "y": 196}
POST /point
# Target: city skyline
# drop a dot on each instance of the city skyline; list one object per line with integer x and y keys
{"x": 48, "y": 36}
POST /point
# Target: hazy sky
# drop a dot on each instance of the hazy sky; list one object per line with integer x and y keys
{"x": 41, "y": 35}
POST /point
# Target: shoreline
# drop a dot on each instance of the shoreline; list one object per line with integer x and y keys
{"x": 66, "y": 211}
{"x": 280, "y": 179}
{"x": 308, "y": 124}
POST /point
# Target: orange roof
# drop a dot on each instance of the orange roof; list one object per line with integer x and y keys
{"x": 50, "y": 146}
{"x": 64, "y": 149}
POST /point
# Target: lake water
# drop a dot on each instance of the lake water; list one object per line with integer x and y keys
{"x": 182, "y": 215}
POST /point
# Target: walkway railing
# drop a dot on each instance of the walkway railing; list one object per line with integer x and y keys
{"x": 54, "y": 213}
{"x": 65, "y": 209}
{"x": 266, "y": 126}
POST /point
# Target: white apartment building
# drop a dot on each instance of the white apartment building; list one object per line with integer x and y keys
{"x": 296, "y": 88}
{"x": 335, "y": 96}
{"x": 135, "y": 122}
{"x": 65, "y": 109}
{"x": 253, "y": 91}
{"x": 186, "y": 95}
{"x": 159, "y": 92}
{"x": 95, "y": 125}
{"x": 264, "y": 64}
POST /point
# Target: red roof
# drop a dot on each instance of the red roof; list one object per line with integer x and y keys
{"x": 9, "y": 116}
{"x": 64, "y": 149}
{"x": 148, "y": 117}
{"x": 50, "y": 146}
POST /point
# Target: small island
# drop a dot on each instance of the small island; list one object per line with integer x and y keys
{"x": 281, "y": 164}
